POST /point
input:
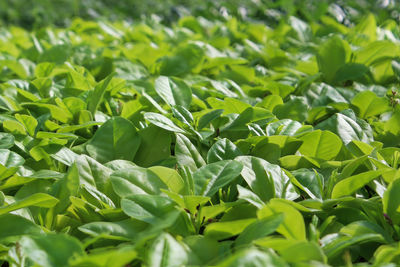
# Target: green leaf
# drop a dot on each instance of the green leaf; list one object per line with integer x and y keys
{"x": 203, "y": 248}
{"x": 209, "y": 117}
{"x": 14, "y": 127}
{"x": 183, "y": 115}
{"x": 332, "y": 55}
{"x": 9, "y": 163}
{"x": 184, "y": 60}
{"x": 365, "y": 227}
{"x": 190, "y": 202}
{"x": 165, "y": 251}
{"x": 14, "y": 226}
{"x": 37, "y": 200}
{"x": 43, "y": 85}
{"x": 303, "y": 251}
{"x": 351, "y": 184}
{"x": 136, "y": 180}
{"x": 210, "y": 178}
{"x": 163, "y": 122}
{"x": 147, "y": 208}
{"x": 367, "y": 104}
{"x": 311, "y": 181}
{"x": 119, "y": 257}
{"x": 259, "y": 229}
{"x": 29, "y": 122}
{"x": 295, "y": 109}
{"x": 335, "y": 244}
{"x": 121, "y": 230}
{"x": 15, "y": 66}
{"x": 283, "y": 127}
{"x": 96, "y": 96}
{"x": 265, "y": 179}
{"x": 186, "y": 153}
{"x": 64, "y": 188}
{"x": 346, "y": 128}
{"x": 391, "y": 201}
{"x": 253, "y": 257}
{"x": 50, "y": 250}
{"x": 376, "y": 51}
{"x": 229, "y": 105}
{"x": 173, "y": 91}
{"x": 170, "y": 177}
{"x": 274, "y": 147}
{"x": 223, "y": 230}
{"x": 320, "y": 144}
{"x": 60, "y": 114}
{"x": 6, "y": 140}
{"x": 92, "y": 173}
{"x": 115, "y": 139}
{"x": 57, "y": 54}
{"x": 351, "y": 72}
{"x": 293, "y": 226}
{"x": 270, "y": 102}
{"x": 249, "y": 196}
{"x": 155, "y": 146}
{"x": 223, "y": 149}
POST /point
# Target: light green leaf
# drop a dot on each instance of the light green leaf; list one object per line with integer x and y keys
{"x": 320, "y": 144}
{"x": 118, "y": 257}
{"x": 351, "y": 184}
{"x": 170, "y": 177}
{"x": 37, "y": 200}
{"x": 367, "y": 104}
{"x": 293, "y": 226}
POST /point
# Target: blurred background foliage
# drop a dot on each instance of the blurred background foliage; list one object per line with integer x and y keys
{"x": 34, "y": 14}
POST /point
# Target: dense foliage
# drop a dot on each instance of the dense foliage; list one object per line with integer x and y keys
{"x": 253, "y": 139}
{"x": 38, "y": 13}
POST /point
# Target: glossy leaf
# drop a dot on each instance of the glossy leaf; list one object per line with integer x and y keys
{"x": 116, "y": 139}
{"x": 166, "y": 251}
{"x": 173, "y": 91}
{"x": 266, "y": 180}
{"x": 37, "y": 200}
{"x": 293, "y": 226}
{"x": 136, "y": 180}
{"x": 210, "y": 178}
{"x": 50, "y": 250}
{"x": 351, "y": 184}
